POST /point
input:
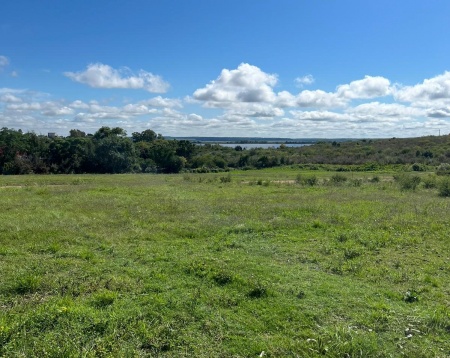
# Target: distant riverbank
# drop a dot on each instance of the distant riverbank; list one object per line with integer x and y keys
{"x": 261, "y": 145}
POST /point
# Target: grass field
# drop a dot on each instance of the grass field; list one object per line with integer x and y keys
{"x": 263, "y": 263}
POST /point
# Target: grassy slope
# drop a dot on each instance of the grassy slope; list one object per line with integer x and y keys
{"x": 137, "y": 265}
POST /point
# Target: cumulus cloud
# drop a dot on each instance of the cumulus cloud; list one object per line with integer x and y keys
{"x": 247, "y": 83}
{"x": 436, "y": 89}
{"x": 305, "y": 80}
{"x": 369, "y": 87}
{"x": 319, "y": 98}
{"x": 99, "y": 75}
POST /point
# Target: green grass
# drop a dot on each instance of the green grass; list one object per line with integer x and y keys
{"x": 211, "y": 265}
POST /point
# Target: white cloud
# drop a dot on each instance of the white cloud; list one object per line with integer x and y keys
{"x": 375, "y": 111}
{"x": 11, "y": 90}
{"x": 320, "y": 116}
{"x": 436, "y": 89}
{"x": 78, "y": 105}
{"x": 63, "y": 111}
{"x": 247, "y": 83}
{"x": 159, "y": 101}
{"x": 369, "y": 87}
{"x": 98, "y": 75}
{"x": 305, "y": 80}
{"x": 10, "y": 98}
{"x": 319, "y": 99}
{"x": 33, "y": 106}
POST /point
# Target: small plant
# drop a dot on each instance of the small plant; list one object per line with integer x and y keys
{"x": 350, "y": 254}
{"x": 411, "y": 296}
{"x": 27, "y": 284}
{"x": 375, "y": 179}
{"x": 222, "y": 278}
{"x": 104, "y": 299}
{"x": 301, "y": 294}
{"x": 226, "y": 179}
{"x": 258, "y": 291}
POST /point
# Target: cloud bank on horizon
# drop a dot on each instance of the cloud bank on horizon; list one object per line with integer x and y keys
{"x": 245, "y": 101}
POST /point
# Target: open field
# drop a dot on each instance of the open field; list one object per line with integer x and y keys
{"x": 246, "y": 264}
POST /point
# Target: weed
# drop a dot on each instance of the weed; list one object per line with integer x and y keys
{"x": 350, "y": 254}
{"x": 104, "y": 299}
{"x": 27, "y": 284}
{"x": 226, "y": 179}
{"x": 411, "y": 296}
{"x": 259, "y": 290}
{"x": 222, "y": 278}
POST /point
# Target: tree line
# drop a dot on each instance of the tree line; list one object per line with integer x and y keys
{"x": 110, "y": 150}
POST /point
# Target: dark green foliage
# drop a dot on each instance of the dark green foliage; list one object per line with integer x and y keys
{"x": 259, "y": 290}
{"x": 416, "y": 167}
{"x": 411, "y": 296}
{"x": 148, "y": 152}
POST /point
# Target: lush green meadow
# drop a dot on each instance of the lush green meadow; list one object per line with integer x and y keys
{"x": 269, "y": 263}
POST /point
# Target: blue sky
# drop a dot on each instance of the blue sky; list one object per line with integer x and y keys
{"x": 263, "y": 68}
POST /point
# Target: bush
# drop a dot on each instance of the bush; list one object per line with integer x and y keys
{"x": 225, "y": 179}
{"x": 311, "y": 180}
{"x": 408, "y": 182}
{"x": 429, "y": 182}
{"x": 338, "y": 178}
{"x": 444, "y": 187}
{"x": 416, "y": 167}
{"x": 443, "y": 169}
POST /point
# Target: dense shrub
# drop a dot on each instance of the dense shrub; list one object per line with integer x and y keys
{"x": 444, "y": 187}
{"x": 443, "y": 169}
{"x": 408, "y": 182}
